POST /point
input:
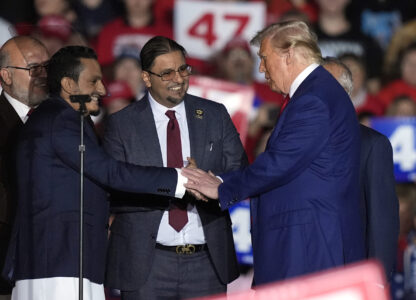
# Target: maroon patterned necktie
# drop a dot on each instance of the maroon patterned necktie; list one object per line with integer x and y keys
{"x": 178, "y": 215}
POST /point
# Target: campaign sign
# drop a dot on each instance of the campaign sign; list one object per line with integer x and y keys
{"x": 240, "y": 217}
{"x": 204, "y": 27}
{"x": 237, "y": 99}
{"x": 402, "y": 135}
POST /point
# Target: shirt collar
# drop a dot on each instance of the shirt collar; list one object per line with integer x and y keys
{"x": 301, "y": 77}
{"x": 20, "y": 108}
{"x": 159, "y": 110}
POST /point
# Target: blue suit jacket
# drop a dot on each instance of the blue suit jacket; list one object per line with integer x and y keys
{"x": 45, "y": 234}
{"x": 306, "y": 214}
{"x": 380, "y": 206}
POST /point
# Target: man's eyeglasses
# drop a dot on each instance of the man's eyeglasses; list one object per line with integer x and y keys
{"x": 184, "y": 71}
{"x": 34, "y": 71}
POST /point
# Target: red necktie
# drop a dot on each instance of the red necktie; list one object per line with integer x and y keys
{"x": 30, "y": 111}
{"x": 178, "y": 215}
{"x": 285, "y": 102}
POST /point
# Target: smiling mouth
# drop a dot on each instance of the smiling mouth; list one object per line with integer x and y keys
{"x": 176, "y": 88}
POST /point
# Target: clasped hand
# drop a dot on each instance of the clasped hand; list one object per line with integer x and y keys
{"x": 203, "y": 185}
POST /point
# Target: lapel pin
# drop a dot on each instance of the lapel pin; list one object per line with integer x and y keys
{"x": 199, "y": 113}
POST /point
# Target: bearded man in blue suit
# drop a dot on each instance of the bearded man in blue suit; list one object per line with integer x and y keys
{"x": 304, "y": 187}
{"x": 43, "y": 254}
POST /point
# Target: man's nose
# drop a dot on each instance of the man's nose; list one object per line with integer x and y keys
{"x": 178, "y": 78}
{"x": 101, "y": 89}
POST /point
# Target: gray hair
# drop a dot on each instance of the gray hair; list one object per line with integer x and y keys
{"x": 291, "y": 34}
{"x": 345, "y": 76}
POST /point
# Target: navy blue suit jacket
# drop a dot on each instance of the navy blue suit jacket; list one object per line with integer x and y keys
{"x": 380, "y": 206}
{"x": 306, "y": 208}
{"x": 45, "y": 234}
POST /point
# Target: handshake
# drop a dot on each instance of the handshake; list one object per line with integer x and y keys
{"x": 202, "y": 185}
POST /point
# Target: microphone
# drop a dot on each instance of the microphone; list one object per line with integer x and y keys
{"x": 80, "y": 98}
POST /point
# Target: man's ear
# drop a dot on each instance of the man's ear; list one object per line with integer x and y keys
{"x": 68, "y": 85}
{"x": 6, "y": 76}
{"x": 289, "y": 55}
{"x": 146, "y": 79}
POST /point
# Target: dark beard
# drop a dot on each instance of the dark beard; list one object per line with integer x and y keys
{"x": 174, "y": 100}
{"x": 95, "y": 112}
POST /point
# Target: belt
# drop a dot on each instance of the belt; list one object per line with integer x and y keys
{"x": 183, "y": 249}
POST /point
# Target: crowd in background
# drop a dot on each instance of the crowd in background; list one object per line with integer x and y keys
{"x": 375, "y": 39}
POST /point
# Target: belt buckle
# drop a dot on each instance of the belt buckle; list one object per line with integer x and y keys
{"x": 185, "y": 249}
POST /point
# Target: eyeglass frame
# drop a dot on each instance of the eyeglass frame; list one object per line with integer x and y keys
{"x": 30, "y": 69}
{"x": 187, "y": 67}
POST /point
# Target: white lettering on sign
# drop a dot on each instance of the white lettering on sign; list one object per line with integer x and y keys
{"x": 403, "y": 142}
{"x": 204, "y": 27}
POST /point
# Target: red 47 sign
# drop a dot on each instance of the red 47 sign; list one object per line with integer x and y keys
{"x": 204, "y": 27}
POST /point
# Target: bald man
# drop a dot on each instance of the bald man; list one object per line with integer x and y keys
{"x": 379, "y": 204}
{"x": 23, "y": 78}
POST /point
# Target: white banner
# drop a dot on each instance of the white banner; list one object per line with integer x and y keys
{"x": 204, "y": 27}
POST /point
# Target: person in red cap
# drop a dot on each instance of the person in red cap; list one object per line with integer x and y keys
{"x": 119, "y": 96}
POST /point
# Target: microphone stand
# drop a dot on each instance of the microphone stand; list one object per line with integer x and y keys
{"x": 81, "y": 99}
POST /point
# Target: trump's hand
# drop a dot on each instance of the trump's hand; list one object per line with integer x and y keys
{"x": 191, "y": 163}
{"x": 202, "y": 182}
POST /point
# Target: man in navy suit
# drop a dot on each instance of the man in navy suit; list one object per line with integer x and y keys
{"x": 149, "y": 257}
{"x": 43, "y": 255}
{"x": 379, "y": 203}
{"x": 304, "y": 188}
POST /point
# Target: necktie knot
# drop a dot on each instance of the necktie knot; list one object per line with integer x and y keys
{"x": 30, "y": 112}
{"x": 171, "y": 114}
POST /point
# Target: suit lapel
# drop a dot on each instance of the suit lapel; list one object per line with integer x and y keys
{"x": 8, "y": 114}
{"x": 144, "y": 127}
{"x": 197, "y": 127}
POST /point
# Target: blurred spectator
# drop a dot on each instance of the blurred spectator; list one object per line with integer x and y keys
{"x": 137, "y": 25}
{"x": 402, "y": 38}
{"x": 337, "y": 36}
{"x": 127, "y": 68}
{"x": 55, "y": 32}
{"x": 406, "y": 84}
{"x": 381, "y": 18}
{"x": 61, "y": 8}
{"x": 361, "y": 99}
{"x": 236, "y": 63}
{"x": 402, "y": 106}
{"x": 92, "y": 15}
{"x": 119, "y": 96}
{"x": 54, "y": 25}
{"x": 276, "y": 9}
{"x": 406, "y": 193}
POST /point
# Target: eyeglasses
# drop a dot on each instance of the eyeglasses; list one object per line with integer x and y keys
{"x": 34, "y": 71}
{"x": 184, "y": 71}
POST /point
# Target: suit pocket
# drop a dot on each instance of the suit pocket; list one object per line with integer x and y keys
{"x": 290, "y": 218}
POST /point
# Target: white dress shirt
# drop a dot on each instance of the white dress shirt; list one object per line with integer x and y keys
{"x": 62, "y": 288}
{"x": 193, "y": 232}
{"x": 20, "y": 108}
{"x": 301, "y": 77}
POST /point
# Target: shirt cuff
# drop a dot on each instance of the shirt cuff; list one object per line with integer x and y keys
{"x": 180, "y": 189}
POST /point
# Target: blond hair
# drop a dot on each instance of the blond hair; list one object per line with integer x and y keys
{"x": 295, "y": 35}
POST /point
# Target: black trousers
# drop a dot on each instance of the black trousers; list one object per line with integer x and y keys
{"x": 175, "y": 276}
